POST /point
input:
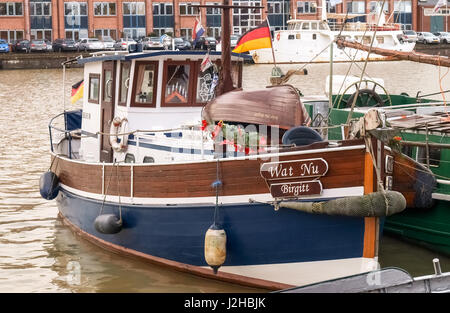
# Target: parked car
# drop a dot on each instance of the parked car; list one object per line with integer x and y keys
{"x": 22, "y": 46}
{"x": 408, "y": 36}
{"x": 444, "y": 37}
{"x": 152, "y": 43}
{"x": 49, "y": 45}
{"x": 123, "y": 43}
{"x": 234, "y": 40}
{"x": 61, "y": 45}
{"x": 108, "y": 42}
{"x": 427, "y": 38}
{"x": 90, "y": 44}
{"x": 38, "y": 46}
{"x": 4, "y": 46}
{"x": 206, "y": 43}
{"x": 181, "y": 44}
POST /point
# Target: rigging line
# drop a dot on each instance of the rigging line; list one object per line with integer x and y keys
{"x": 118, "y": 192}
{"x": 365, "y": 65}
{"x": 419, "y": 170}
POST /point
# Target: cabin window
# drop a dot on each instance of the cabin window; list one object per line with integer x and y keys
{"x": 297, "y": 36}
{"x": 206, "y": 84}
{"x": 380, "y": 39}
{"x": 148, "y": 159}
{"x": 434, "y": 156}
{"x": 94, "y": 83}
{"x": 291, "y": 37}
{"x": 322, "y": 26}
{"x": 297, "y": 26}
{"x": 314, "y": 26}
{"x": 129, "y": 158}
{"x": 305, "y": 25}
{"x": 407, "y": 150}
{"x": 107, "y": 85}
{"x": 314, "y": 36}
{"x": 176, "y": 83}
{"x": 124, "y": 82}
{"x": 145, "y": 81}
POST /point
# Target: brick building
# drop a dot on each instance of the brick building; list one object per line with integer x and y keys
{"x": 51, "y": 19}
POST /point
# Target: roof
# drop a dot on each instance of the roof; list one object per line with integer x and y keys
{"x": 108, "y": 56}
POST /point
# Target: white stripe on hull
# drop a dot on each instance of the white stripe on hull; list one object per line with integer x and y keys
{"x": 327, "y": 193}
{"x": 305, "y": 273}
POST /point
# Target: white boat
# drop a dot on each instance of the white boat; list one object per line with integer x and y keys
{"x": 308, "y": 41}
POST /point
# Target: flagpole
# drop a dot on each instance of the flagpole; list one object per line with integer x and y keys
{"x": 271, "y": 43}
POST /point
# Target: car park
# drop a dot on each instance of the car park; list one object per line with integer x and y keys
{"x": 38, "y": 46}
{"x": 152, "y": 43}
{"x": 90, "y": 44}
{"x": 62, "y": 45}
{"x": 206, "y": 43}
{"x": 408, "y": 36}
{"x": 181, "y": 44}
{"x": 444, "y": 37}
{"x": 4, "y": 46}
{"x": 427, "y": 38}
{"x": 124, "y": 43}
{"x": 23, "y": 46}
{"x": 49, "y": 45}
{"x": 234, "y": 40}
{"x": 108, "y": 42}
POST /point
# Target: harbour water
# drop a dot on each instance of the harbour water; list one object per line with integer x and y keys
{"x": 39, "y": 254}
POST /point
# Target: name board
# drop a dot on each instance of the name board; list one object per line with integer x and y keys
{"x": 294, "y": 169}
{"x": 294, "y": 179}
{"x": 296, "y": 189}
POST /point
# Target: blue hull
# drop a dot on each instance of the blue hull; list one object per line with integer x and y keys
{"x": 256, "y": 233}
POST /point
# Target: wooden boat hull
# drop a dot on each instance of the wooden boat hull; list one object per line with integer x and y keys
{"x": 258, "y": 238}
{"x": 167, "y": 210}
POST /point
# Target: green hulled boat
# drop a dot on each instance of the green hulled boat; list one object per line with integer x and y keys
{"x": 422, "y": 132}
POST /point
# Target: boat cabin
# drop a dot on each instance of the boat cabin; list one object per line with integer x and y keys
{"x": 159, "y": 94}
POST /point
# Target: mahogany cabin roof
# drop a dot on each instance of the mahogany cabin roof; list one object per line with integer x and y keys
{"x": 274, "y": 106}
{"x": 436, "y": 122}
{"x": 98, "y": 57}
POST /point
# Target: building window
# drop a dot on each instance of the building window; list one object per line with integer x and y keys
{"x": 99, "y": 33}
{"x": 145, "y": 81}
{"x": 162, "y": 9}
{"x": 75, "y": 8}
{"x": 306, "y": 7}
{"x": 11, "y": 8}
{"x": 133, "y": 8}
{"x": 373, "y": 6}
{"x": 186, "y": 33}
{"x": 188, "y": 9}
{"x": 10, "y": 35}
{"x": 104, "y": 8}
{"x": 213, "y": 32}
{"x": 356, "y": 7}
{"x": 246, "y": 19}
{"x": 212, "y": 10}
{"x": 38, "y": 34}
{"x": 40, "y": 9}
{"x": 94, "y": 83}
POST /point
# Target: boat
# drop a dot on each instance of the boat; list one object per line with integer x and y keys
{"x": 314, "y": 41}
{"x": 421, "y": 125}
{"x": 386, "y": 280}
{"x": 166, "y": 163}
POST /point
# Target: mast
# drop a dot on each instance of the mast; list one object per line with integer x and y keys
{"x": 399, "y": 55}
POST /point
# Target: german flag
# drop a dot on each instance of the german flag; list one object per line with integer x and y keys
{"x": 256, "y": 38}
{"x": 77, "y": 91}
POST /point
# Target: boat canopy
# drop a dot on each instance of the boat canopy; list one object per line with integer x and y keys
{"x": 274, "y": 106}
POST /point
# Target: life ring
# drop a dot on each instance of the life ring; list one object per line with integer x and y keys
{"x": 119, "y": 126}
{"x": 278, "y": 36}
